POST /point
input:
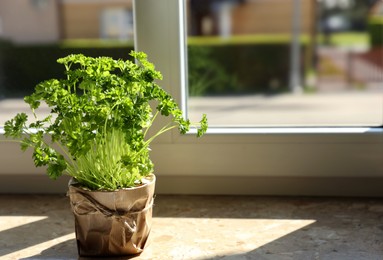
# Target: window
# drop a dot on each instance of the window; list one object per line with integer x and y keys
{"x": 285, "y": 63}
{"x": 232, "y": 159}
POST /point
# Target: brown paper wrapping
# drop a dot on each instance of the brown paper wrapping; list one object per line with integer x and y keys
{"x": 112, "y": 223}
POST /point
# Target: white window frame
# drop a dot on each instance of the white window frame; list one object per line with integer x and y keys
{"x": 258, "y": 161}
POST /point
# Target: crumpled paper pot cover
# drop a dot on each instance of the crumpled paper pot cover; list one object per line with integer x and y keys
{"x": 112, "y": 223}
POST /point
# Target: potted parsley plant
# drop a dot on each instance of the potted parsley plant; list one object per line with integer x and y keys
{"x": 97, "y": 132}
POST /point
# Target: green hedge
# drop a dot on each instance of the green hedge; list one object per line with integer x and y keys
{"x": 238, "y": 69}
{"x": 23, "y": 66}
{"x": 223, "y": 69}
{"x": 375, "y": 31}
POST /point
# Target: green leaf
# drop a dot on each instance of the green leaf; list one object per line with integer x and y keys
{"x": 203, "y": 126}
{"x": 33, "y": 102}
{"x": 15, "y": 127}
{"x": 56, "y": 167}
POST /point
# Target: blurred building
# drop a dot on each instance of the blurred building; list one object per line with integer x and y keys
{"x": 44, "y": 21}
{"x": 377, "y": 9}
{"x": 234, "y": 17}
{"x": 107, "y": 19}
{"x": 29, "y": 21}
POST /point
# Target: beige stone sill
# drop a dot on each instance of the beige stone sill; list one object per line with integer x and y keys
{"x": 209, "y": 227}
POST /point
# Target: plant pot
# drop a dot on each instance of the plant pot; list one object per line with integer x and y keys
{"x": 112, "y": 223}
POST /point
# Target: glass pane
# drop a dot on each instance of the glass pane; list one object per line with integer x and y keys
{"x": 35, "y": 33}
{"x": 286, "y": 62}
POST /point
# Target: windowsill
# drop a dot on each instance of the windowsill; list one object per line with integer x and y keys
{"x": 208, "y": 227}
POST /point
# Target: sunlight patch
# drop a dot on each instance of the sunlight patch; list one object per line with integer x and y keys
{"x": 201, "y": 238}
{"x": 54, "y": 249}
{"x": 9, "y": 222}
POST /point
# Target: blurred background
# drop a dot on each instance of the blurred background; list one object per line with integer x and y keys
{"x": 251, "y": 63}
